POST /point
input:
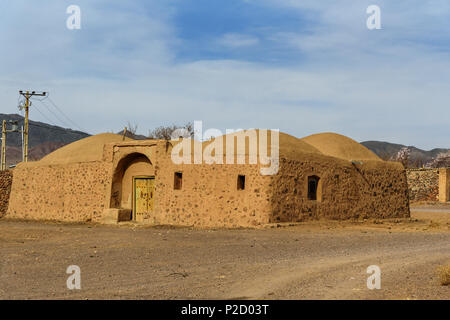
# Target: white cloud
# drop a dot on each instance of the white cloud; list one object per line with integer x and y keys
{"x": 235, "y": 40}
{"x": 388, "y": 84}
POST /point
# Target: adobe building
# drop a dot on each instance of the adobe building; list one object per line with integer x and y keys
{"x": 105, "y": 179}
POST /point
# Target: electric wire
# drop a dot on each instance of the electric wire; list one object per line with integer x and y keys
{"x": 69, "y": 123}
{"x": 43, "y": 115}
{"x": 52, "y": 127}
{"x": 65, "y": 116}
{"x": 51, "y": 123}
{"x": 63, "y": 122}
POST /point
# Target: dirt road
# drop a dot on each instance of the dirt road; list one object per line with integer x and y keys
{"x": 320, "y": 260}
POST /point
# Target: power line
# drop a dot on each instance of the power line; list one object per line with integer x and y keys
{"x": 52, "y": 128}
{"x": 69, "y": 122}
{"x": 55, "y": 115}
{"x": 42, "y": 99}
{"x": 42, "y": 114}
{"x": 51, "y": 122}
{"x": 60, "y": 111}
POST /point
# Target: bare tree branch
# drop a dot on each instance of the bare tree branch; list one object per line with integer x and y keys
{"x": 165, "y": 132}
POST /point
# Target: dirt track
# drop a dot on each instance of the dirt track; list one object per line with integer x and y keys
{"x": 323, "y": 260}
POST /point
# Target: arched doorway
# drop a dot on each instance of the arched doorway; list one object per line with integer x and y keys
{"x": 133, "y": 186}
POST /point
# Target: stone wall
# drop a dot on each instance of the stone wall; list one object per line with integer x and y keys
{"x": 208, "y": 197}
{"x": 80, "y": 192}
{"x": 423, "y": 184}
{"x": 444, "y": 184}
{"x": 72, "y": 192}
{"x": 360, "y": 190}
{"x": 5, "y": 189}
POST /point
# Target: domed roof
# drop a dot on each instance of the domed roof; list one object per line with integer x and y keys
{"x": 84, "y": 150}
{"x": 339, "y": 146}
{"x": 322, "y": 144}
{"x": 289, "y": 146}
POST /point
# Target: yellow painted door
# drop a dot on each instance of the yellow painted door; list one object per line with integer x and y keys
{"x": 143, "y": 193}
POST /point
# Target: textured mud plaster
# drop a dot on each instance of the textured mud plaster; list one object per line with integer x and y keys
{"x": 372, "y": 189}
{"x": 5, "y": 190}
{"x": 208, "y": 196}
{"x": 72, "y": 192}
{"x": 93, "y": 178}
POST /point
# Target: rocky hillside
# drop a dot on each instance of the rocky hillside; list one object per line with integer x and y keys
{"x": 43, "y": 139}
{"x": 386, "y": 150}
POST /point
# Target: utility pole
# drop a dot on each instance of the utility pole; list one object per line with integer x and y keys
{"x": 27, "y": 96}
{"x": 3, "y": 165}
{"x": 4, "y": 132}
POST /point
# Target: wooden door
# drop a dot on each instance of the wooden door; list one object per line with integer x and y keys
{"x": 143, "y": 197}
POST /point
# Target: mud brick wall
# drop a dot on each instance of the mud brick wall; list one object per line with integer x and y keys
{"x": 73, "y": 192}
{"x": 208, "y": 197}
{"x": 368, "y": 190}
{"x": 79, "y": 192}
{"x": 423, "y": 184}
{"x": 5, "y": 189}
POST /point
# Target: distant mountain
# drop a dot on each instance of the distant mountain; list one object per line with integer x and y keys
{"x": 132, "y": 135}
{"x": 386, "y": 150}
{"x": 43, "y": 139}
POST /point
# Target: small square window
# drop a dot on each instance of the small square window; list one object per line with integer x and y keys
{"x": 241, "y": 182}
{"x": 178, "y": 180}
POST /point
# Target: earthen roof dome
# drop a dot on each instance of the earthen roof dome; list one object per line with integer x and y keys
{"x": 84, "y": 150}
{"x": 339, "y": 146}
{"x": 290, "y": 147}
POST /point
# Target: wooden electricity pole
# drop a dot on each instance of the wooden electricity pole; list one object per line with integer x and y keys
{"x": 3, "y": 165}
{"x": 27, "y": 96}
{"x": 15, "y": 126}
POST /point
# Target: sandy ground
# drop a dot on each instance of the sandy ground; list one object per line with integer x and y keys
{"x": 319, "y": 260}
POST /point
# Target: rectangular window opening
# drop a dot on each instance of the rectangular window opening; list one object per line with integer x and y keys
{"x": 313, "y": 183}
{"x": 241, "y": 182}
{"x": 178, "y": 180}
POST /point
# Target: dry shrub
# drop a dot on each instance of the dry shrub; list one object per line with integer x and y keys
{"x": 165, "y": 132}
{"x": 444, "y": 275}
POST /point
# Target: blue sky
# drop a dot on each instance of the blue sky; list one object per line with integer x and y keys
{"x": 300, "y": 66}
